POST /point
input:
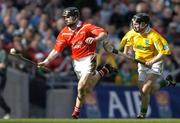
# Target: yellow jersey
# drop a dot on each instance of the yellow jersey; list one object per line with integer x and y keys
{"x": 146, "y": 45}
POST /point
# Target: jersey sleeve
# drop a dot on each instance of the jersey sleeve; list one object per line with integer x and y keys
{"x": 60, "y": 43}
{"x": 95, "y": 30}
{"x": 161, "y": 45}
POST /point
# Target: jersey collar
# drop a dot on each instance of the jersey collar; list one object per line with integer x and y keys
{"x": 79, "y": 24}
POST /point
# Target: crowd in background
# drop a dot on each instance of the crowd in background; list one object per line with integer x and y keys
{"x": 31, "y": 27}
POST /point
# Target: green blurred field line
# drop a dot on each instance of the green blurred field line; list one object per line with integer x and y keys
{"x": 90, "y": 121}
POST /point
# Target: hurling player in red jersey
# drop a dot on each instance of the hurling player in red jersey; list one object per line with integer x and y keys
{"x": 81, "y": 38}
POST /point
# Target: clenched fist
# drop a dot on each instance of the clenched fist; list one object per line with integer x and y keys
{"x": 90, "y": 40}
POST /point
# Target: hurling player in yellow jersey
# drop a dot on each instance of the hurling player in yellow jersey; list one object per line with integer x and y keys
{"x": 150, "y": 47}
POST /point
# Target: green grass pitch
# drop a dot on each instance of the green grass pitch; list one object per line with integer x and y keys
{"x": 90, "y": 121}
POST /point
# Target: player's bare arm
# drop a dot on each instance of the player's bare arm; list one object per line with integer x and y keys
{"x": 155, "y": 59}
{"x": 50, "y": 57}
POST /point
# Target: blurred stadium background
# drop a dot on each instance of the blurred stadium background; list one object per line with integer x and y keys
{"x": 31, "y": 27}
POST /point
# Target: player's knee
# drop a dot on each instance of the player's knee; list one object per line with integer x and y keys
{"x": 145, "y": 90}
{"x": 147, "y": 87}
{"x": 81, "y": 86}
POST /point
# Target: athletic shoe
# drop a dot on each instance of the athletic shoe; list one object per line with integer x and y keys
{"x": 171, "y": 81}
{"x": 75, "y": 115}
{"x": 6, "y": 116}
{"x": 140, "y": 116}
{"x": 110, "y": 68}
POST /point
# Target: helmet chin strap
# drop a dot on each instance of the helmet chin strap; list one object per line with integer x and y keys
{"x": 143, "y": 25}
{"x": 144, "y": 29}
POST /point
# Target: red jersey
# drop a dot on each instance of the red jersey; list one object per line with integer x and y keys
{"x": 75, "y": 39}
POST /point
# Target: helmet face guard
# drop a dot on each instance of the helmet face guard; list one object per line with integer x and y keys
{"x": 140, "y": 21}
{"x": 71, "y": 15}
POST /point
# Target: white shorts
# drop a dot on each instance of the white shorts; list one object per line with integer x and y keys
{"x": 157, "y": 68}
{"x": 85, "y": 65}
